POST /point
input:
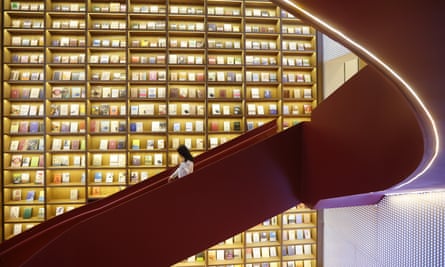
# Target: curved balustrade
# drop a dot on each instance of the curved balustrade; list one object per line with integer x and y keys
{"x": 367, "y": 137}
{"x": 380, "y": 133}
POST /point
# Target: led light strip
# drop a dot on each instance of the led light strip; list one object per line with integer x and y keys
{"x": 395, "y": 75}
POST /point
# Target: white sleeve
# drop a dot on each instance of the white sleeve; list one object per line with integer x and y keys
{"x": 190, "y": 166}
{"x": 175, "y": 173}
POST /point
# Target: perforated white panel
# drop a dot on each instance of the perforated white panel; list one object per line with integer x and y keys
{"x": 404, "y": 230}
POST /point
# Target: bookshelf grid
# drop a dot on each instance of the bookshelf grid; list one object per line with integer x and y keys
{"x": 286, "y": 240}
{"x": 97, "y": 95}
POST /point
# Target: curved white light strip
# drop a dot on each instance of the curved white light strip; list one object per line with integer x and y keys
{"x": 392, "y": 72}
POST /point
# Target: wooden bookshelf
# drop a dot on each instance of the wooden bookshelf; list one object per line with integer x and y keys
{"x": 288, "y": 239}
{"x": 97, "y": 95}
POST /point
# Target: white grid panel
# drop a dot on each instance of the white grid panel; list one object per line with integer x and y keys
{"x": 404, "y": 230}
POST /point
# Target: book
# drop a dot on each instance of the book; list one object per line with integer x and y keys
{"x": 250, "y": 125}
{"x": 74, "y": 127}
{"x": 307, "y": 108}
{"x": 16, "y": 178}
{"x": 112, "y": 144}
{"x": 214, "y": 126}
{"x": 226, "y": 126}
{"x": 33, "y": 110}
{"x": 161, "y": 143}
{"x": 24, "y": 110}
{"x": 14, "y": 212}
{"x": 27, "y": 212}
{"x": 158, "y": 159}
{"x": 265, "y": 252}
{"x": 16, "y": 194}
{"x": 30, "y": 195}
{"x": 136, "y": 144}
{"x": 251, "y": 109}
{"x": 17, "y": 229}
{"x": 211, "y": 92}
{"x": 122, "y": 177}
{"x": 109, "y": 177}
{"x": 74, "y": 194}
{"x": 34, "y": 93}
{"x": 260, "y": 109}
{"x": 41, "y": 211}
{"x": 134, "y": 177}
{"x": 24, "y": 178}
{"x": 77, "y": 160}
{"x": 213, "y": 142}
{"x": 65, "y": 177}
{"x": 34, "y": 162}
{"x": 237, "y": 126}
{"x": 273, "y": 109}
{"x": 56, "y": 144}
{"x": 14, "y": 128}
{"x": 175, "y": 142}
{"x": 148, "y": 160}
{"x": 60, "y": 210}
{"x": 23, "y": 144}
{"x": 16, "y": 161}
{"x": 103, "y": 145}
{"x": 256, "y": 252}
{"x": 98, "y": 177}
{"x": 39, "y": 177}
{"x": 185, "y": 109}
{"x": 97, "y": 160}
{"x": 34, "y": 127}
{"x": 199, "y": 143}
{"x": 136, "y": 160}
{"x": 26, "y": 161}
{"x": 74, "y": 109}
{"x": 13, "y": 146}
{"x": 255, "y": 93}
{"x": 57, "y": 178}
{"x": 144, "y": 175}
{"x": 188, "y": 143}
{"x": 104, "y": 126}
{"x": 65, "y": 126}
{"x": 139, "y": 126}
{"x": 216, "y": 109}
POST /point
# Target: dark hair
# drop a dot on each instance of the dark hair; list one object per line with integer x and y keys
{"x": 183, "y": 151}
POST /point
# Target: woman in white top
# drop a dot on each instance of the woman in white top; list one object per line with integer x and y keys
{"x": 186, "y": 165}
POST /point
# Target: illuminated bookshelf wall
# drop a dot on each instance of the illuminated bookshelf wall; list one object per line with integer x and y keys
{"x": 98, "y": 95}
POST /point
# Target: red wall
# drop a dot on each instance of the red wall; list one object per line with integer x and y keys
{"x": 408, "y": 37}
{"x": 368, "y": 136}
{"x": 363, "y": 138}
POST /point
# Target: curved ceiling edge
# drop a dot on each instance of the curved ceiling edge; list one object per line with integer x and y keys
{"x": 425, "y": 118}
